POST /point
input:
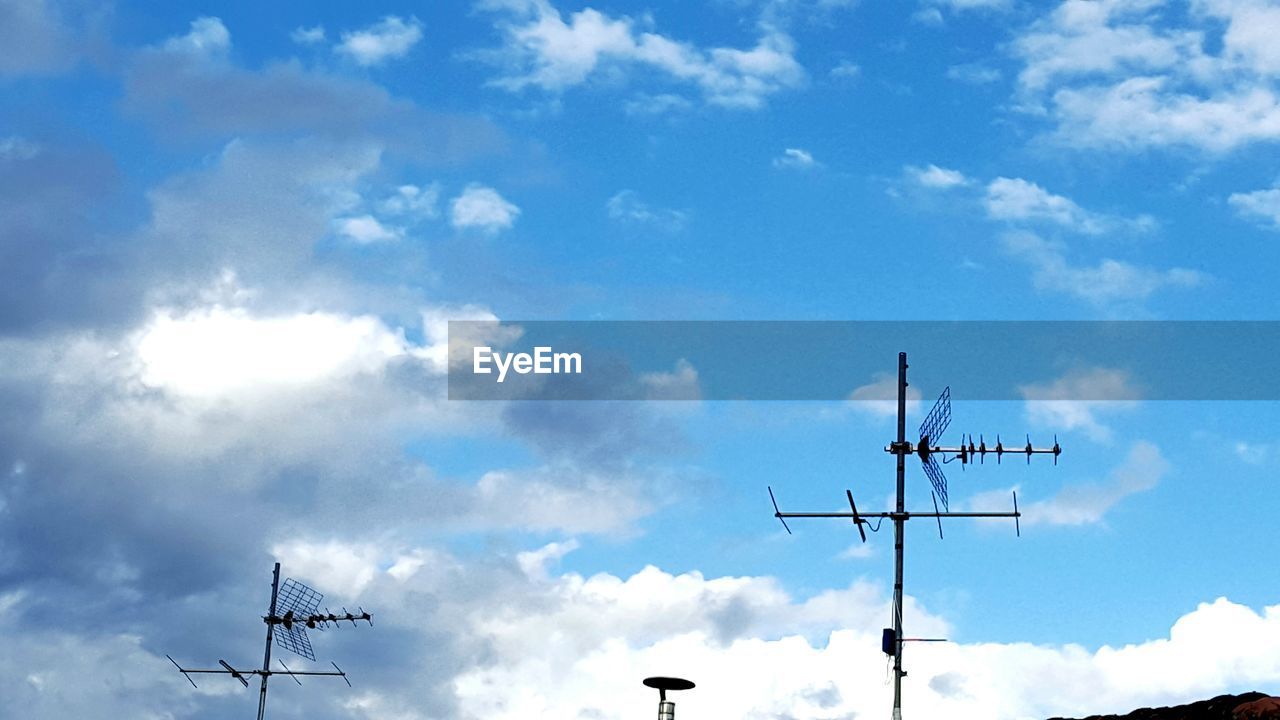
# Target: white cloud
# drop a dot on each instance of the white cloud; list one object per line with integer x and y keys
{"x": 36, "y": 39}
{"x": 1021, "y": 200}
{"x": 15, "y": 147}
{"x": 534, "y": 562}
{"x": 343, "y": 567}
{"x": 565, "y": 645}
{"x": 47, "y": 671}
{"x": 308, "y": 35}
{"x": 860, "y": 551}
{"x": 1110, "y": 281}
{"x": 208, "y": 36}
{"x": 435, "y": 327}
{"x": 1092, "y": 39}
{"x": 543, "y": 50}
{"x": 928, "y": 16}
{"x": 365, "y": 229}
{"x": 1141, "y": 112}
{"x": 391, "y": 37}
{"x": 795, "y": 158}
{"x": 679, "y": 384}
{"x": 626, "y": 207}
{"x": 961, "y": 5}
{"x": 1259, "y": 204}
{"x": 933, "y": 176}
{"x": 880, "y": 396}
{"x": 482, "y": 208}
{"x": 565, "y": 499}
{"x": 659, "y": 104}
{"x": 846, "y": 70}
{"x": 1073, "y": 400}
{"x": 974, "y": 74}
{"x": 1018, "y": 199}
{"x": 1252, "y": 453}
{"x": 1119, "y": 73}
{"x": 218, "y": 350}
{"x": 414, "y": 201}
{"x": 1088, "y": 503}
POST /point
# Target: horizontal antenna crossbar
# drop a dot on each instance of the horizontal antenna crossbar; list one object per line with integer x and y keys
{"x": 861, "y": 517}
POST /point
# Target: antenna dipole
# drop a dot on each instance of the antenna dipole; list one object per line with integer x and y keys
{"x": 294, "y": 609}
{"x": 934, "y": 425}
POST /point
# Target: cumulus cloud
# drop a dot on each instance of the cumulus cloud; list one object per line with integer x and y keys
{"x": 846, "y": 70}
{"x": 928, "y": 16}
{"x": 880, "y": 396}
{"x": 754, "y": 650}
{"x": 308, "y": 35}
{"x": 627, "y": 207}
{"x": 932, "y": 176}
{"x": 414, "y": 201}
{"x": 656, "y": 104}
{"x": 218, "y": 350}
{"x": 35, "y": 39}
{"x": 1260, "y": 205}
{"x": 482, "y": 208}
{"x": 365, "y": 229}
{"x": 1024, "y": 204}
{"x": 1089, "y": 503}
{"x": 184, "y": 93}
{"x": 795, "y": 158}
{"x": 15, "y": 147}
{"x": 961, "y": 5}
{"x": 474, "y": 642}
{"x": 542, "y": 49}
{"x": 391, "y": 37}
{"x": 1074, "y": 400}
{"x": 1120, "y": 74}
{"x": 679, "y": 384}
{"x": 1022, "y": 200}
{"x": 208, "y": 36}
{"x": 1106, "y": 283}
{"x": 1252, "y": 452}
{"x": 974, "y": 74}
{"x": 259, "y": 208}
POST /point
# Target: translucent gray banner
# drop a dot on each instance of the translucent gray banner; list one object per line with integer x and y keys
{"x": 857, "y": 360}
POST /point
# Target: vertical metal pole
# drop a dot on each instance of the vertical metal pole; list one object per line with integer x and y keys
{"x": 266, "y": 658}
{"x": 898, "y": 521}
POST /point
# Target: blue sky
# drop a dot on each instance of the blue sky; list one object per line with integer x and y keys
{"x": 232, "y": 237}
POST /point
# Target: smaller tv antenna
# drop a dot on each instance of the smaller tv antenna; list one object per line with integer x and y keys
{"x": 295, "y": 608}
{"x": 666, "y": 708}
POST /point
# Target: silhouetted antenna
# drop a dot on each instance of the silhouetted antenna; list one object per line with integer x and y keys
{"x": 928, "y": 449}
{"x": 294, "y": 608}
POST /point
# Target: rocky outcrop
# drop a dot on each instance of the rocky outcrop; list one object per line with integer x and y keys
{"x": 1267, "y": 708}
{"x": 1249, "y": 706}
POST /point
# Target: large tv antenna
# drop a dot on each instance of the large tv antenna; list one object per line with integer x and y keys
{"x": 295, "y": 608}
{"x": 927, "y": 449}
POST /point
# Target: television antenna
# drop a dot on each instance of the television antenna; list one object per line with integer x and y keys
{"x": 295, "y": 608}
{"x": 928, "y": 450}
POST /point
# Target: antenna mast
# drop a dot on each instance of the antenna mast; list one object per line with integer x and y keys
{"x": 935, "y": 423}
{"x": 300, "y": 605}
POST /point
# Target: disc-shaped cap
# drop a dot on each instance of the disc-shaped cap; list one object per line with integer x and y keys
{"x": 669, "y": 683}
